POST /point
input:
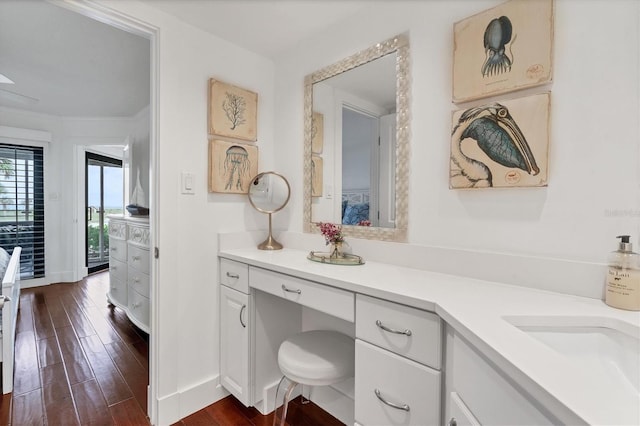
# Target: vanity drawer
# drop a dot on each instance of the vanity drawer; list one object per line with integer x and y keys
{"x": 424, "y": 344}
{"x": 118, "y": 269}
{"x": 139, "y": 281}
{"x": 139, "y": 258}
{"x": 398, "y": 381}
{"x": 234, "y": 275}
{"x": 118, "y": 249}
{"x": 327, "y": 299}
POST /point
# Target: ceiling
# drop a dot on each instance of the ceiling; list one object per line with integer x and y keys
{"x": 66, "y": 64}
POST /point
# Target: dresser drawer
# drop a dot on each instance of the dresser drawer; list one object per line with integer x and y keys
{"x": 118, "y": 269}
{"x": 398, "y": 381}
{"x": 234, "y": 275}
{"x": 327, "y": 299}
{"x": 138, "y": 258}
{"x": 118, "y": 249}
{"x": 139, "y": 281}
{"x": 407, "y": 331}
{"x": 118, "y": 291}
{"x": 139, "y": 309}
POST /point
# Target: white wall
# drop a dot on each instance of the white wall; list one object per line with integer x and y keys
{"x": 594, "y": 150}
{"x": 187, "y": 293}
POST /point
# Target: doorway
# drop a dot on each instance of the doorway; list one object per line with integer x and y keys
{"x": 104, "y": 196}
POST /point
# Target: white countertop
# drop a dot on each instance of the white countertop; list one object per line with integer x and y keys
{"x": 476, "y": 309}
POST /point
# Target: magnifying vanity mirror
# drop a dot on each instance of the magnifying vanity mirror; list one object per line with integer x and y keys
{"x": 356, "y": 155}
{"x": 269, "y": 192}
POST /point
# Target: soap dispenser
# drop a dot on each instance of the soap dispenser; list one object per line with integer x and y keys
{"x": 623, "y": 277}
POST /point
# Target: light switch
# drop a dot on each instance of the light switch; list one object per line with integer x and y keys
{"x": 188, "y": 183}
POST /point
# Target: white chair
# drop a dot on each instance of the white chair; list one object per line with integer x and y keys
{"x": 314, "y": 358}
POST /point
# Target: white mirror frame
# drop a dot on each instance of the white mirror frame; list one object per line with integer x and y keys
{"x": 400, "y": 45}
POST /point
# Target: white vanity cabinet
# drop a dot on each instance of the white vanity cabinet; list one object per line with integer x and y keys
{"x": 479, "y": 392}
{"x": 130, "y": 268}
{"x": 234, "y": 329}
{"x": 398, "y": 361}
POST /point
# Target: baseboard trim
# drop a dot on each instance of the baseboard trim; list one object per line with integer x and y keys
{"x": 178, "y": 405}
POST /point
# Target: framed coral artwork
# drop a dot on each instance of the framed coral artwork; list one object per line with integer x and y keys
{"x": 231, "y": 166}
{"x": 502, "y": 49}
{"x": 232, "y": 111}
{"x": 501, "y": 144}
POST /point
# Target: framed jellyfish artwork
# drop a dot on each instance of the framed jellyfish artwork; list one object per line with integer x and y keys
{"x": 232, "y": 111}
{"x": 231, "y": 166}
{"x": 501, "y": 144}
{"x": 506, "y": 48}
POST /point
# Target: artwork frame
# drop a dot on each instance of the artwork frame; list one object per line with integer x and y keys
{"x": 317, "y": 133}
{"x": 506, "y": 48}
{"x": 232, "y": 111}
{"x": 231, "y": 166}
{"x": 317, "y": 175}
{"x": 501, "y": 144}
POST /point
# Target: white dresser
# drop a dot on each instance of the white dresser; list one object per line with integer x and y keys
{"x": 129, "y": 268}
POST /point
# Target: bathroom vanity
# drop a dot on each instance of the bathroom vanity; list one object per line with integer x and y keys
{"x": 430, "y": 348}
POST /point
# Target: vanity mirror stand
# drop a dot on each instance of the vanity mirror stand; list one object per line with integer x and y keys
{"x": 269, "y": 193}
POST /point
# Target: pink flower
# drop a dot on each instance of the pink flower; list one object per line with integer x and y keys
{"x": 332, "y": 232}
{"x": 364, "y": 222}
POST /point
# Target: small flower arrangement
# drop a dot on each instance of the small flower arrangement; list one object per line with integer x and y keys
{"x": 332, "y": 233}
{"x": 364, "y": 222}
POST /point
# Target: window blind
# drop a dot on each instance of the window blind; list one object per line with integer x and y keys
{"x": 22, "y": 206}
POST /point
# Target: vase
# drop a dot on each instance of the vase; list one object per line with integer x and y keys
{"x": 336, "y": 250}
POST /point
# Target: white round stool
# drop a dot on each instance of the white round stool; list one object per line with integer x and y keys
{"x": 314, "y": 358}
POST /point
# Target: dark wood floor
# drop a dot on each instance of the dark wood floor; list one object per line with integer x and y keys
{"x": 81, "y": 361}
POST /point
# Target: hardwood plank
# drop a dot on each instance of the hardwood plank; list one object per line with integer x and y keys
{"x": 49, "y": 352}
{"x": 113, "y": 386}
{"x": 79, "y": 321}
{"x": 59, "y": 316}
{"x": 58, "y": 404}
{"x": 225, "y": 412}
{"x": 78, "y": 371}
{"x": 24, "y": 322}
{"x": 128, "y": 413}
{"x": 70, "y": 346}
{"x": 26, "y": 369}
{"x": 53, "y": 373}
{"x": 141, "y": 352}
{"x": 28, "y": 409}
{"x": 41, "y": 318}
{"x": 5, "y": 408}
{"x": 200, "y": 418}
{"x": 91, "y": 406}
{"x": 102, "y": 327}
{"x": 135, "y": 375}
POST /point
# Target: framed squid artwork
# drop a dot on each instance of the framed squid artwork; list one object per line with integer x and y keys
{"x": 506, "y": 48}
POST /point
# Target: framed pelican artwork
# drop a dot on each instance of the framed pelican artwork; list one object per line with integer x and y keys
{"x": 231, "y": 166}
{"x": 501, "y": 144}
{"x": 506, "y": 48}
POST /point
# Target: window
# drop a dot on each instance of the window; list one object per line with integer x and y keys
{"x": 22, "y": 206}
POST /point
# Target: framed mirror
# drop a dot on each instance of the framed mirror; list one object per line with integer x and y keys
{"x": 356, "y": 143}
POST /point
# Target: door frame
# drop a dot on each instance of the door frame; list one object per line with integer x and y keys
{"x": 126, "y": 23}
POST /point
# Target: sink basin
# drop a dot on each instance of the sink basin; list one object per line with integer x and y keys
{"x": 601, "y": 347}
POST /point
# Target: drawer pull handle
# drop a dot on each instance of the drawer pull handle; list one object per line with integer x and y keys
{"x": 135, "y": 258}
{"x": 230, "y": 275}
{"x": 136, "y": 305}
{"x": 114, "y": 249}
{"x": 296, "y": 291}
{"x": 136, "y": 280}
{"x": 452, "y": 422}
{"x": 404, "y": 407}
{"x": 406, "y": 332}
{"x": 244, "y": 325}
